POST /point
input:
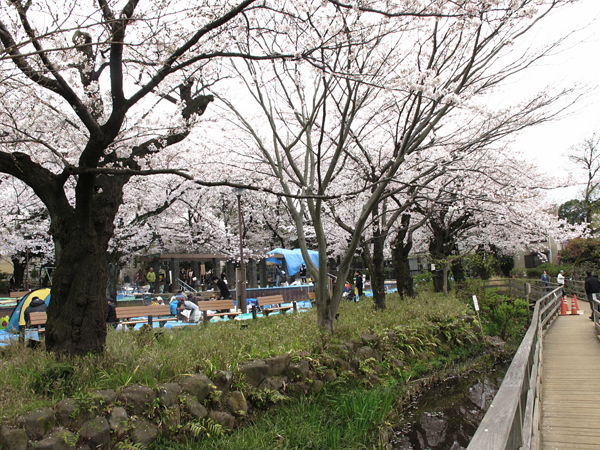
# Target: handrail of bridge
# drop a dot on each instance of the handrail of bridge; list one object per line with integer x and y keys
{"x": 512, "y": 420}
{"x": 596, "y": 313}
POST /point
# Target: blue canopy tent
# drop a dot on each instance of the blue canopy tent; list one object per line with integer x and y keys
{"x": 293, "y": 258}
{"x": 18, "y": 316}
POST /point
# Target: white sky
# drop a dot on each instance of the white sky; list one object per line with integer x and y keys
{"x": 579, "y": 62}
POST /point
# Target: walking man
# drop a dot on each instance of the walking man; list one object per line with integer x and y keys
{"x": 592, "y": 286}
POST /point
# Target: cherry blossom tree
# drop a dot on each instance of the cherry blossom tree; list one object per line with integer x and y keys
{"x": 496, "y": 200}
{"x": 23, "y": 224}
{"x": 86, "y": 99}
{"x": 393, "y": 83}
{"x": 586, "y": 157}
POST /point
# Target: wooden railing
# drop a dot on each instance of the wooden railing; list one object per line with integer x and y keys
{"x": 514, "y": 287}
{"x": 512, "y": 421}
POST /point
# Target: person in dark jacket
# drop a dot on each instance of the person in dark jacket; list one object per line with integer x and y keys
{"x": 225, "y": 294}
{"x": 36, "y": 305}
{"x": 592, "y": 286}
{"x": 359, "y": 284}
{"x": 111, "y": 313}
{"x": 302, "y": 273}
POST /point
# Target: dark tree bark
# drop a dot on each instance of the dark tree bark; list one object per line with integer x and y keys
{"x": 19, "y": 272}
{"x": 458, "y": 271}
{"x": 375, "y": 261}
{"x": 82, "y": 229}
{"x": 77, "y": 312}
{"x": 400, "y": 252}
{"x": 114, "y": 269}
{"x": 443, "y": 246}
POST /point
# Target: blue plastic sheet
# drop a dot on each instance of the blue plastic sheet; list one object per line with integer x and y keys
{"x": 293, "y": 258}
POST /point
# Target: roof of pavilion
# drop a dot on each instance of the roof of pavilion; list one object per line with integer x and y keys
{"x": 183, "y": 256}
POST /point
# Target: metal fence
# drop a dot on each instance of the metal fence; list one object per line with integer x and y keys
{"x": 512, "y": 421}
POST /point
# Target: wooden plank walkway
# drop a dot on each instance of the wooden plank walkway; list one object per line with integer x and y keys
{"x": 571, "y": 383}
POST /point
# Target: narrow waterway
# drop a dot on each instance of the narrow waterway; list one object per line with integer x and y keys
{"x": 446, "y": 416}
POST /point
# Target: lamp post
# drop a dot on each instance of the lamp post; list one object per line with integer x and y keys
{"x": 238, "y": 192}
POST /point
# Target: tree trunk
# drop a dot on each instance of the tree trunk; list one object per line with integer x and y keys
{"x": 400, "y": 252}
{"x": 458, "y": 271}
{"x": 325, "y": 307}
{"x": 440, "y": 248}
{"x": 445, "y": 270}
{"x": 18, "y": 273}
{"x": 438, "y": 279}
{"x": 77, "y": 310}
{"x": 113, "y": 279}
{"x": 376, "y": 269}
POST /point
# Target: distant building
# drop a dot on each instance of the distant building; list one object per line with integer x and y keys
{"x": 6, "y": 265}
{"x": 530, "y": 259}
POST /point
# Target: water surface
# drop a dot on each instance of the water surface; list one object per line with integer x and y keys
{"x": 446, "y": 416}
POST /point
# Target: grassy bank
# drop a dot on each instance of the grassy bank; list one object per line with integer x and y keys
{"x": 346, "y": 414}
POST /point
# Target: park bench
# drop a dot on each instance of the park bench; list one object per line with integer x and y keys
{"x": 149, "y": 312}
{"x": 38, "y": 320}
{"x": 271, "y": 303}
{"x": 18, "y": 294}
{"x": 207, "y": 295}
{"x": 217, "y": 305}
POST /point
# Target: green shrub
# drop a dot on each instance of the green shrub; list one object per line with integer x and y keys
{"x": 551, "y": 268}
{"x": 507, "y": 319}
{"x": 422, "y": 278}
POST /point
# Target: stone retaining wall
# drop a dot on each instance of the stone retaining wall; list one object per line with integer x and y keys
{"x": 138, "y": 414}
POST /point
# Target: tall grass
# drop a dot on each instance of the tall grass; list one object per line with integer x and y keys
{"x": 344, "y": 416}
{"x": 30, "y": 379}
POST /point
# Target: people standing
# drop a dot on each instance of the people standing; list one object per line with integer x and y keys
{"x": 546, "y": 278}
{"x": 277, "y": 276}
{"x": 111, "y": 313}
{"x": 151, "y": 277}
{"x": 302, "y": 273}
{"x": 359, "y": 284}
{"x": 139, "y": 278}
{"x": 592, "y": 286}
{"x": 191, "y": 279}
{"x": 560, "y": 279}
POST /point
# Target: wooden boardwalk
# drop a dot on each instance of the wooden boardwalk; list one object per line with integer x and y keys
{"x": 571, "y": 383}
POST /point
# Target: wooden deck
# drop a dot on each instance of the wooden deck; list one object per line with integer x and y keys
{"x": 571, "y": 383}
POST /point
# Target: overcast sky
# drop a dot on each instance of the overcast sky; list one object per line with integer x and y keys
{"x": 579, "y": 62}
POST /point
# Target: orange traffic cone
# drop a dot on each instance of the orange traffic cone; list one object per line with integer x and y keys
{"x": 563, "y": 307}
{"x": 574, "y": 306}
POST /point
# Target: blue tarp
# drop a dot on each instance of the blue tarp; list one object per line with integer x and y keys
{"x": 293, "y": 258}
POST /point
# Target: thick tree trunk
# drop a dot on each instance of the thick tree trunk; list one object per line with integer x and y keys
{"x": 18, "y": 273}
{"x": 438, "y": 279}
{"x": 404, "y": 280}
{"x": 458, "y": 271}
{"x": 77, "y": 309}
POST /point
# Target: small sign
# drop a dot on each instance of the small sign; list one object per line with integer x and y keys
{"x": 475, "y": 303}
